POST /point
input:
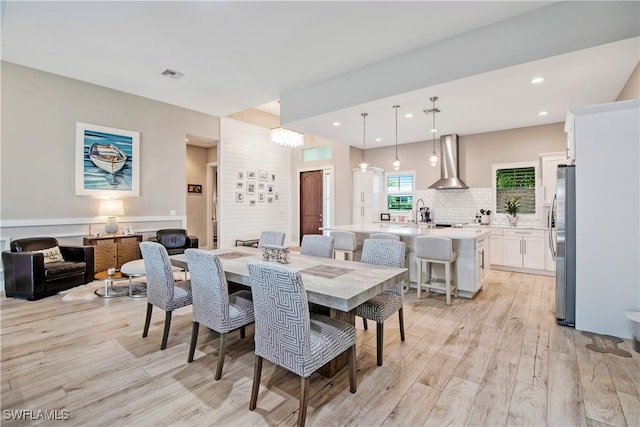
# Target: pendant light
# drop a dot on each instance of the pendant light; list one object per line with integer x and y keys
{"x": 433, "y": 159}
{"x": 364, "y": 165}
{"x": 396, "y": 161}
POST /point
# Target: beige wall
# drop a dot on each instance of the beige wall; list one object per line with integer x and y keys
{"x": 197, "y": 202}
{"x": 476, "y": 153}
{"x": 631, "y": 89}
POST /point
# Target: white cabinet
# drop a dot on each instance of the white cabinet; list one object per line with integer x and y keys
{"x": 482, "y": 260}
{"x": 496, "y": 247}
{"x": 549, "y": 262}
{"x": 368, "y": 195}
{"x": 523, "y": 248}
{"x": 549, "y": 166}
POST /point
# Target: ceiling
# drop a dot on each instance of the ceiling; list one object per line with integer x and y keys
{"x": 239, "y": 55}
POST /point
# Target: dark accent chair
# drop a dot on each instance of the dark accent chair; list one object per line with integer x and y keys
{"x": 27, "y": 276}
{"x": 175, "y": 240}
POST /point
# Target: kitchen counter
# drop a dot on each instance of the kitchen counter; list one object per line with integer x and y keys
{"x": 472, "y": 245}
{"x": 497, "y": 226}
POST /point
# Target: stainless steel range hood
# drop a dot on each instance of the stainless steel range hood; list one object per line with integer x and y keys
{"x": 449, "y": 170}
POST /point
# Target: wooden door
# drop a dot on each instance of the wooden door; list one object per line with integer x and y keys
{"x": 310, "y": 203}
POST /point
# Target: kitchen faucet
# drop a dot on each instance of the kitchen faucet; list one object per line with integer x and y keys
{"x": 417, "y": 212}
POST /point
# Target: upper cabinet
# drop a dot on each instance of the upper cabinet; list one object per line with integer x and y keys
{"x": 549, "y": 166}
{"x": 368, "y": 195}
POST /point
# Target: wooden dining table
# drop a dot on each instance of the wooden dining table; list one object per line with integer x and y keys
{"x": 336, "y": 284}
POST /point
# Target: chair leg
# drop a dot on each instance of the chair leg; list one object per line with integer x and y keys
{"x": 304, "y": 397}
{"x": 419, "y": 287}
{"x": 221, "y": 352}
{"x": 352, "y": 368}
{"x": 401, "y": 320}
{"x": 242, "y": 332}
{"x": 364, "y": 323}
{"x": 147, "y": 321}
{"x": 165, "y": 334}
{"x": 379, "y": 341}
{"x": 194, "y": 339}
{"x": 447, "y": 279}
{"x": 257, "y": 372}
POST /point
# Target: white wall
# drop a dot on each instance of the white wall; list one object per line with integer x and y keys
{"x": 197, "y": 158}
{"x": 244, "y": 147}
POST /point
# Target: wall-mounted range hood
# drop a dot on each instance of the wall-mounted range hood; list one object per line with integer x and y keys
{"x": 449, "y": 169}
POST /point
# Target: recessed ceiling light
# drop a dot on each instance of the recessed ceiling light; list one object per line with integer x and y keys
{"x": 537, "y": 80}
{"x": 408, "y": 115}
{"x": 543, "y": 113}
{"x": 378, "y": 139}
{"x": 336, "y": 123}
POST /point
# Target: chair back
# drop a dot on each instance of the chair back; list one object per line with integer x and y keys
{"x": 344, "y": 240}
{"x": 209, "y": 288}
{"x": 271, "y": 238}
{"x": 33, "y": 244}
{"x": 436, "y": 248}
{"x": 281, "y": 314}
{"x": 386, "y": 236}
{"x": 172, "y": 238}
{"x": 384, "y": 252}
{"x": 160, "y": 283}
{"x": 317, "y": 245}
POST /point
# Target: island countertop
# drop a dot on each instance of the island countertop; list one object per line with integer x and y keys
{"x": 412, "y": 230}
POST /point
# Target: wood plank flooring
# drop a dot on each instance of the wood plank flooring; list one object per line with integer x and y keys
{"x": 498, "y": 360}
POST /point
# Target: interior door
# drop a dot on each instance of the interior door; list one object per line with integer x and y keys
{"x": 310, "y": 202}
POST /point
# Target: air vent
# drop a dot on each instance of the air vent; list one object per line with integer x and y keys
{"x": 172, "y": 73}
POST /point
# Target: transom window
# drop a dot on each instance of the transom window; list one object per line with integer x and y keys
{"x": 400, "y": 192}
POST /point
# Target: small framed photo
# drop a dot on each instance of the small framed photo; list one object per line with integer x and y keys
{"x": 127, "y": 230}
{"x": 385, "y": 217}
{"x": 194, "y": 188}
{"x": 251, "y": 175}
{"x": 269, "y": 199}
{"x": 270, "y": 189}
{"x": 240, "y": 185}
{"x": 273, "y": 177}
{"x": 252, "y": 202}
{"x": 276, "y": 196}
{"x": 239, "y": 196}
{"x": 240, "y": 175}
{"x": 261, "y": 197}
{"x": 263, "y": 175}
{"x": 261, "y": 186}
{"x": 251, "y": 188}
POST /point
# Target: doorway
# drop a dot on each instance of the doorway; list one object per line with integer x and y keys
{"x": 310, "y": 202}
{"x": 212, "y": 206}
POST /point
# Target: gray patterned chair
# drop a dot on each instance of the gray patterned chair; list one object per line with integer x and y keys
{"x": 381, "y": 307}
{"x": 212, "y": 305}
{"x": 289, "y": 336}
{"x": 271, "y": 238}
{"x": 317, "y": 245}
{"x": 162, "y": 290}
{"x": 347, "y": 244}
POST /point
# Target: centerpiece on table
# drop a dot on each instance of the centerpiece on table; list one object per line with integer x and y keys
{"x": 512, "y": 207}
{"x": 276, "y": 253}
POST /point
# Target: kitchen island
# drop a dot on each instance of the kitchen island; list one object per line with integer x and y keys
{"x": 472, "y": 246}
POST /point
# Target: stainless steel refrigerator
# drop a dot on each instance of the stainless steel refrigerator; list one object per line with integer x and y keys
{"x": 564, "y": 249}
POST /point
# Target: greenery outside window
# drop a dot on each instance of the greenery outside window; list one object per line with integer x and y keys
{"x": 399, "y": 192}
{"x": 515, "y": 180}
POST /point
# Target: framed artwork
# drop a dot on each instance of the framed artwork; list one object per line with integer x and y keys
{"x": 261, "y": 186}
{"x": 251, "y": 188}
{"x": 239, "y": 196}
{"x": 251, "y": 175}
{"x": 270, "y": 189}
{"x": 269, "y": 199}
{"x": 273, "y": 177}
{"x": 194, "y": 188}
{"x": 263, "y": 175}
{"x": 239, "y": 185}
{"x": 385, "y": 217}
{"x": 107, "y": 161}
{"x": 261, "y": 197}
{"x": 240, "y": 175}
{"x": 252, "y": 202}
{"x": 276, "y": 196}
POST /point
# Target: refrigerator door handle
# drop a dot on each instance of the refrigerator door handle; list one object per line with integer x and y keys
{"x": 554, "y": 206}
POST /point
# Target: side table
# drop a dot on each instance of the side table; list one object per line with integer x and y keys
{"x": 109, "y": 290}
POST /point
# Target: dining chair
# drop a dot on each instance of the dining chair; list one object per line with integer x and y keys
{"x": 317, "y": 245}
{"x": 271, "y": 238}
{"x": 287, "y": 334}
{"x": 162, "y": 291}
{"x": 439, "y": 250}
{"x": 213, "y": 307}
{"x": 346, "y": 244}
{"x": 382, "y": 306}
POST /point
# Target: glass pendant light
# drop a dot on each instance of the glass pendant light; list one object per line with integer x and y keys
{"x": 433, "y": 159}
{"x": 364, "y": 165}
{"x": 396, "y": 161}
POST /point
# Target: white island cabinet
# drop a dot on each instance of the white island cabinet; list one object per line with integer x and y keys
{"x": 472, "y": 246}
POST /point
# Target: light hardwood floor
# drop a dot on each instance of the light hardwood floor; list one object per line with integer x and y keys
{"x": 497, "y": 360}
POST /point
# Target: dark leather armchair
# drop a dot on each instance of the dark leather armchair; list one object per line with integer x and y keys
{"x": 175, "y": 240}
{"x": 27, "y": 276}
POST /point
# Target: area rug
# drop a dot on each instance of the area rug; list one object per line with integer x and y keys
{"x": 82, "y": 292}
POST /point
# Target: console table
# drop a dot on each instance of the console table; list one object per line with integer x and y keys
{"x": 114, "y": 250}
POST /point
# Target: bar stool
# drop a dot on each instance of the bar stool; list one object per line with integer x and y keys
{"x": 437, "y": 250}
{"x": 386, "y": 236}
{"x": 345, "y": 242}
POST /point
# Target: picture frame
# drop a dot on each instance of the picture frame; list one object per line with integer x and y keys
{"x": 385, "y": 217}
{"x": 263, "y": 175}
{"x": 240, "y": 185}
{"x": 251, "y": 188}
{"x": 261, "y": 197}
{"x": 269, "y": 199}
{"x": 270, "y": 189}
{"x": 276, "y": 196}
{"x": 127, "y": 230}
{"x": 251, "y": 175}
{"x": 261, "y": 186}
{"x": 240, "y": 175}
{"x": 194, "y": 188}
{"x": 273, "y": 177}
{"x": 107, "y": 161}
{"x": 239, "y": 196}
{"x": 252, "y": 202}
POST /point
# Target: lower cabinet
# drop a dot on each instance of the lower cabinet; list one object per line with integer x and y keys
{"x": 482, "y": 260}
{"x": 523, "y": 248}
{"x": 114, "y": 250}
{"x": 496, "y": 247}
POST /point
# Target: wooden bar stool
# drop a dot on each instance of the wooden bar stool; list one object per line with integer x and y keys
{"x": 436, "y": 250}
{"x": 345, "y": 245}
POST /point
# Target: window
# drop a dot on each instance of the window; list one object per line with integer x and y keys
{"x": 400, "y": 192}
{"x": 516, "y": 180}
{"x": 317, "y": 153}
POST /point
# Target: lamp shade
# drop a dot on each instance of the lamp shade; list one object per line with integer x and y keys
{"x": 111, "y": 207}
{"x": 287, "y": 137}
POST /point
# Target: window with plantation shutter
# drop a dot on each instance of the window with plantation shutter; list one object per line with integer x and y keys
{"x": 400, "y": 192}
{"x": 516, "y": 182}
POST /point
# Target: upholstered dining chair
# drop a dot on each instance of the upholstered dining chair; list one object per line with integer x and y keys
{"x": 213, "y": 307}
{"x": 291, "y": 337}
{"x": 162, "y": 291}
{"x": 346, "y": 244}
{"x": 317, "y": 245}
{"x": 381, "y": 307}
{"x": 271, "y": 238}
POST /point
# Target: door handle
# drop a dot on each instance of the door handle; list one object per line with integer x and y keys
{"x": 520, "y": 247}
{"x": 525, "y": 247}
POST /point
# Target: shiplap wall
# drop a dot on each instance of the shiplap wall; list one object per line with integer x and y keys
{"x": 245, "y": 147}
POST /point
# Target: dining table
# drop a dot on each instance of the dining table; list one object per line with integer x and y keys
{"x": 338, "y": 285}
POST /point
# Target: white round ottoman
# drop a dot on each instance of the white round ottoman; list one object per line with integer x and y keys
{"x": 135, "y": 269}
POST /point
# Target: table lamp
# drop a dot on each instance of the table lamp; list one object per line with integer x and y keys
{"x": 111, "y": 208}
